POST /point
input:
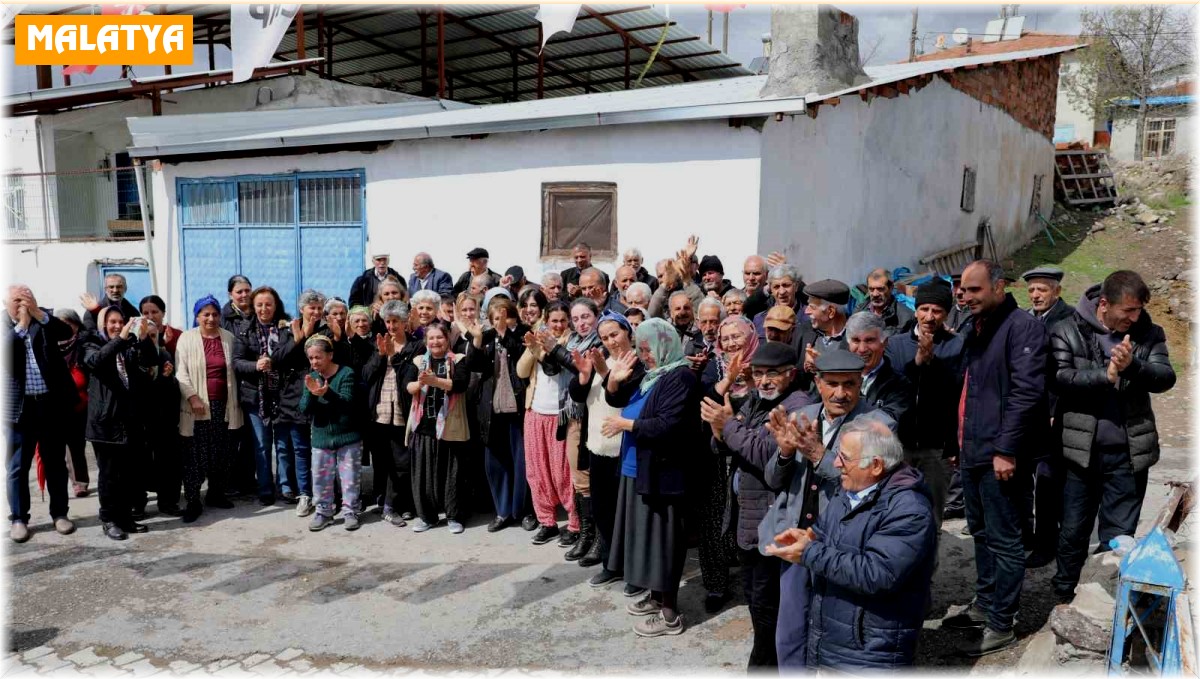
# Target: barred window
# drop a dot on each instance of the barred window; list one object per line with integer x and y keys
{"x": 331, "y": 200}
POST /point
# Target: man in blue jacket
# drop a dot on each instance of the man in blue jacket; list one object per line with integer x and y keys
{"x": 870, "y": 556}
{"x": 1002, "y": 411}
{"x": 426, "y": 277}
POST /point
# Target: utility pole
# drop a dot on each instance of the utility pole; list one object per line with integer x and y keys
{"x": 725, "y": 34}
{"x": 710, "y": 26}
{"x": 912, "y": 38}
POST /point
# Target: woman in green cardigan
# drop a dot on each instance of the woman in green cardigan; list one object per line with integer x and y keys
{"x": 329, "y": 399}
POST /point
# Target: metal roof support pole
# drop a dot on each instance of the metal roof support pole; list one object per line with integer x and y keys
{"x": 66, "y": 77}
{"x": 45, "y": 79}
{"x": 212, "y": 55}
{"x": 625, "y": 39}
{"x": 321, "y": 41}
{"x": 441, "y": 53}
{"x": 516, "y": 75}
{"x": 541, "y": 63}
{"x": 141, "y": 187}
{"x": 424, "y": 55}
{"x": 329, "y": 50}
{"x": 156, "y": 102}
{"x": 300, "y": 40}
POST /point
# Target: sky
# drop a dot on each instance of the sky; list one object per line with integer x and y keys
{"x": 889, "y": 26}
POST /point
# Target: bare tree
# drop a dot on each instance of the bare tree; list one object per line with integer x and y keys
{"x": 1132, "y": 51}
{"x": 867, "y": 51}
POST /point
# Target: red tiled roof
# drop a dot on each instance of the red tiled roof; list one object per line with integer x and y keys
{"x": 1178, "y": 89}
{"x": 1027, "y": 41}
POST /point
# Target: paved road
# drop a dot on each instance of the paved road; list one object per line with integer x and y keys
{"x": 252, "y": 587}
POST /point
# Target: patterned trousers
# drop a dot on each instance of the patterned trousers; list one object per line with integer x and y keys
{"x": 548, "y": 471}
{"x": 207, "y": 454}
{"x": 346, "y": 464}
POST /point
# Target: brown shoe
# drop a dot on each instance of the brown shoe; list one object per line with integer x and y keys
{"x": 64, "y": 526}
{"x": 18, "y": 532}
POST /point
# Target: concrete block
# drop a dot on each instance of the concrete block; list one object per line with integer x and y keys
{"x": 36, "y": 653}
{"x": 1092, "y": 600}
{"x": 289, "y": 654}
{"x": 126, "y": 658}
{"x": 142, "y": 668}
{"x": 183, "y": 667}
{"x": 1038, "y": 658}
{"x": 221, "y": 664}
{"x": 51, "y": 663}
{"x": 255, "y": 659}
{"x": 85, "y": 657}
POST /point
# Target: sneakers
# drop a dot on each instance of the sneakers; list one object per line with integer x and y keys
{"x": 633, "y": 590}
{"x": 971, "y": 618}
{"x": 644, "y": 606}
{"x": 18, "y": 531}
{"x": 604, "y": 578}
{"x": 656, "y": 626}
{"x": 455, "y": 527}
{"x": 350, "y": 521}
{"x": 990, "y": 642}
{"x": 393, "y": 518}
{"x": 498, "y": 524}
{"x": 545, "y": 534}
{"x": 421, "y": 525}
{"x": 64, "y": 526}
{"x": 568, "y": 538}
{"x": 289, "y": 497}
{"x": 320, "y": 522}
{"x": 304, "y": 506}
{"x": 408, "y": 516}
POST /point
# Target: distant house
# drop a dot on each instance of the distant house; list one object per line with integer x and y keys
{"x": 1169, "y": 126}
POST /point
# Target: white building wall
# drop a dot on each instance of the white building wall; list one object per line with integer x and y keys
{"x": 57, "y": 272}
{"x": 445, "y": 196}
{"x": 1124, "y": 135}
{"x": 1066, "y": 112}
{"x": 879, "y": 184}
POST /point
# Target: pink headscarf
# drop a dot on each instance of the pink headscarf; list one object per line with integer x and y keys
{"x": 739, "y": 388}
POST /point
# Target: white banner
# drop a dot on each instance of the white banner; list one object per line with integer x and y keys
{"x": 556, "y": 19}
{"x": 7, "y": 12}
{"x": 257, "y": 30}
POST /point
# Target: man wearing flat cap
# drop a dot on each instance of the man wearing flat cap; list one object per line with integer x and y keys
{"x": 478, "y": 266}
{"x": 1045, "y": 295}
{"x": 366, "y": 287}
{"x": 803, "y": 466}
{"x": 744, "y": 437}
{"x": 712, "y": 277}
{"x": 826, "y": 329}
{"x": 929, "y": 356}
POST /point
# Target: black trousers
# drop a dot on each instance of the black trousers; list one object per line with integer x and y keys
{"x": 243, "y": 470}
{"x": 391, "y": 466}
{"x": 38, "y": 429}
{"x": 606, "y": 482}
{"x": 166, "y": 466}
{"x": 760, "y": 580}
{"x": 718, "y": 524}
{"x": 116, "y": 463}
{"x": 76, "y": 445}
{"x": 1047, "y": 504}
{"x": 438, "y": 482}
{"x": 1109, "y": 487}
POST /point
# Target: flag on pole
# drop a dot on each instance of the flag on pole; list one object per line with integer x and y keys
{"x": 257, "y": 30}
{"x": 7, "y": 12}
{"x": 556, "y": 19}
{"x": 127, "y": 10}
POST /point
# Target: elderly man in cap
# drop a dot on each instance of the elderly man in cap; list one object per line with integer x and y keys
{"x": 808, "y": 443}
{"x": 882, "y": 302}
{"x": 478, "y": 258}
{"x": 744, "y": 438}
{"x": 826, "y": 326}
{"x": 582, "y": 254}
{"x": 779, "y": 325}
{"x": 426, "y": 277}
{"x": 712, "y": 277}
{"x": 366, "y": 286}
{"x": 870, "y": 555}
{"x": 1044, "y": 285}
{"x": 929, "y": 356}
{"x": 1001, "y": 427}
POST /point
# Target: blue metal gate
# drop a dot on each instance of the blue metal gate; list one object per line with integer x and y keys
{"x": 291, "y": 232}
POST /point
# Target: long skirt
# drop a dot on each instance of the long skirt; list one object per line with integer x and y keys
{"x": 208, "y": 454}
{"x": 649, "y": 539}
{"x": 437, "y": 478}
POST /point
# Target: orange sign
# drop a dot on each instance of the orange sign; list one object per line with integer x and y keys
{"x": 111, "y": 40}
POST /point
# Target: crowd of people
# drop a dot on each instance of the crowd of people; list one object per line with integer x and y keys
{"x": 815, "y": 435}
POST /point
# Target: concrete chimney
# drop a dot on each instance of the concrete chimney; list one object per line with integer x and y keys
{"x": 814, "y": 50}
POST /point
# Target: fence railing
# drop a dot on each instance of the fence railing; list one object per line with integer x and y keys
{"x": 80, "y": 205}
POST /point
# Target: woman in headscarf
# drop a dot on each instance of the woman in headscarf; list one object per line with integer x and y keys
{"x": 660, "y": 424}
{"x": 736, "y": 343}
{"x": 436, "y": 429}
{"x": 329, "y": 400}
{"x": 388, "y": 404}
{"x": 501, "y": 412}
{"x": 76, "y": 421}
{"x": 602, "y": 452}
{"x": 260, "y": 382}
{"x": 117, "y": 359}
{"x": 209, "y": 408}
{"x": 583, "y": 337}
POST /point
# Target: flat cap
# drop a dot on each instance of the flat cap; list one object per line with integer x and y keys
{"x": 476, "y": 253}
{"x": 829, "y": 290}
{"x": 381, "y": 255}
{"x": 839, "y": 361}
{"x": 711, "y": 263}
{"x": 773, "y": 355}
{"x": 780, "y": 317}
{"x": 1044, "y": 272}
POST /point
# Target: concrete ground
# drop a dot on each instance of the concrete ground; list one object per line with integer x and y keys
{"x": 252, "y": 589}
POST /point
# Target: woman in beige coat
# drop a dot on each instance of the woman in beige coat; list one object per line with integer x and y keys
{"x": 208, "y": 407}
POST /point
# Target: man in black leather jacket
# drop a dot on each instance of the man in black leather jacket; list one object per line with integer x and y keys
{"x": 1109, "y": 358}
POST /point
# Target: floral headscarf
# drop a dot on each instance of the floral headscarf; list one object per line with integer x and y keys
{"x": 665, "y": 346}
{"x": 750, "y": 345}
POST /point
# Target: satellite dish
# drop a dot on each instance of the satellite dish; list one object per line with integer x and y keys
{"x": 960, "y": 36}
{"x": 941, "y": 42}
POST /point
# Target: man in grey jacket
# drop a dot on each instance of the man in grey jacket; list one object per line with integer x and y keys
{"x": 803, "y": 468}
{"x": 1109, "y": 357}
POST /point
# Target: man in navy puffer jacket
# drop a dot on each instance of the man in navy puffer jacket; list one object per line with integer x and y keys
{"x": 870, "y": 556}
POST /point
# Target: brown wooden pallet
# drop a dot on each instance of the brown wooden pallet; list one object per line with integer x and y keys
{"x": 1083, "y": 177}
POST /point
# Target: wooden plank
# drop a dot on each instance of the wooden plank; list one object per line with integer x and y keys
{"x": 1085, "y": 201}
{"x": 1096, "y": 175}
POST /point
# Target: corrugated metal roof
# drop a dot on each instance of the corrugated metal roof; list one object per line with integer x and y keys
{"x": 733, "y": 97}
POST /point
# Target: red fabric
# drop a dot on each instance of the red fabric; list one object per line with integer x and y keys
{"x": 81, "y": 382}
{"x": 548, "y": 471}
{"x": 214, "y": 367}
{"x": 170, "y": 344}
{"x": 962, "y": 410}
{"x": 110, "y": 10}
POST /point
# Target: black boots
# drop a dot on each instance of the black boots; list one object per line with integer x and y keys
{"x": 587, "y": 529}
